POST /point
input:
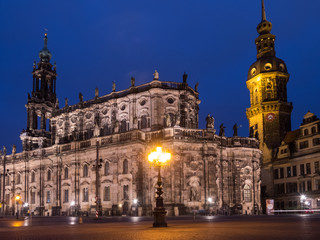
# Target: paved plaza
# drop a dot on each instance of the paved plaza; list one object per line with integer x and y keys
{"x": 212, "y": 227}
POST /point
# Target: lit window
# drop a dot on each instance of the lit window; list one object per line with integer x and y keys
{"x": 247, "y": 193}
{"x": 268, "y": 66}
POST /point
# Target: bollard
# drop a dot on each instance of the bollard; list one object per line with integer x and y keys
{"x": 80, "y": 220}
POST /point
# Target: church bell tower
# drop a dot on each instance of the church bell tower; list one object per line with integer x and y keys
{"x": 269, "y": 114}
{"x": 41, "y": 102}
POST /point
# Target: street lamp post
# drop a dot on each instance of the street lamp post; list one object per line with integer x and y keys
{"x": 302, "y": 199}
{"x": 17, "y": 205}
{"x": 159, "y": 158}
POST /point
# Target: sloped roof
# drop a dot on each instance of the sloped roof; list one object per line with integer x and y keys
{"x": 291, "y": 136}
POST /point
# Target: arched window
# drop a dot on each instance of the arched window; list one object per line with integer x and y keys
{"x": 33, "y": 177}
{"x": 106, "y": 168}
{"x": 144, "y": 122}
{"x": 306, "y": 132}
{"x": 66, "y": 173}
{"x": 247, "y": 193}
{"x": 85, "y": 171}
{"x": 313, "y": 130}
{"x": 49, "y": 175}
{"x": 125, "y": 167}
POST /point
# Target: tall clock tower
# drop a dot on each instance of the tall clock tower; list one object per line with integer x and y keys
{"x": 269, "y": 114}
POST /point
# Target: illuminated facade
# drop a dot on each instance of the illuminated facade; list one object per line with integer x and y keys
{"x": 296, "y": 169}
{"x": 93, "y": 155}
{"x": 269, "y": 118}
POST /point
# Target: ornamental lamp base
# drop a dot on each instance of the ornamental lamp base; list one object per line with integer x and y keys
{"x": 160, "y": 218}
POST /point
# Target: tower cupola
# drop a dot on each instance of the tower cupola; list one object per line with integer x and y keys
{"x": 45, "y": 54}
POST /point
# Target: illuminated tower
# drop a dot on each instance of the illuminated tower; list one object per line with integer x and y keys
{"x": 269, "y": 114}
{"x": 41, "y": 102}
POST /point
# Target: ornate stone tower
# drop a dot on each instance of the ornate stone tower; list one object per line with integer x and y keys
{"x": 269, "y": 114}
{"x": 41, "y": 102}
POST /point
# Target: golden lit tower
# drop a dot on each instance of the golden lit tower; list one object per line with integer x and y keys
{"x": 269, "y": 114}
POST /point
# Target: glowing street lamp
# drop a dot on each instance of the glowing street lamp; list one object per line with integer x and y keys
{"x": 17, "y": 204}
{"x": 159, "y": 158}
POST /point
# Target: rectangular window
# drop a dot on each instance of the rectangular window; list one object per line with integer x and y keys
{"x": 303, "y": 144}
{"x": 8, "y": 199}
{"x": 317, "y": 184}
{"x": 66, "y": 196}
{"x": 301, "y": 169}
{"x": 294, "y": 171}
{"x": 125, "y": 192}
{"x": 33, "y": 197}
{"x": 7, "y": 180}
{"x": 106, "y": 195}
{"x": 279, "y": 188}
{"x": 288, "y": 171}
{"x": 316, "y": 141}
{"x": 302, "y": 187}
{"x": 309, "y": 186}
{"x": 48, "y": 197}
{"x": 291, "y": 187}
{"x": 18, "y": 178}
{"x": 276, "y": 174}
{"x": 316, "y": 167}
{"x": 281, "y": 173}
{"x": 85, "y": 195}
{"x": 318, "y": 202}
{"x": 308, "y": 168}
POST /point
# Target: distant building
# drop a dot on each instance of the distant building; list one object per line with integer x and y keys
{"x": 93, "y": 155}
{"x": 286, "y": 154}
{"x": 296, "y": 169}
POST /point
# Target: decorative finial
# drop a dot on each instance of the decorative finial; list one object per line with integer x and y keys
{"x": 45, "y": 40}
{"x": 96, "y": 92}
{"x": 264, "y": 18}
{"x": 264, "y": 27}
{"x": 132, "y": 81}
{"x": 45, "y": 54}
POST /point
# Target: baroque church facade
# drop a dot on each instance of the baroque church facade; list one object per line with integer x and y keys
{"x": 290, "y": 166}
{"x": 92, "y": 156}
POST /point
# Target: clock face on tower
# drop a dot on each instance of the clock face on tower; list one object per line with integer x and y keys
{"x": 270, "y": 117}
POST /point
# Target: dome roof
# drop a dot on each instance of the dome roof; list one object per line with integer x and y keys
{"x": 267, "y": 64}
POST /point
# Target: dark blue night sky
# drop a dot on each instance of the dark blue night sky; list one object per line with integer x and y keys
{"x": 97, "y": 42}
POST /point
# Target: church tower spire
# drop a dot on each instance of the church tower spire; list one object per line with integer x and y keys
{"x": 41, "y": 102}
{"x": 264, "y": 18}
{"x": 269, "y": 114}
